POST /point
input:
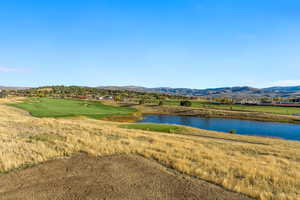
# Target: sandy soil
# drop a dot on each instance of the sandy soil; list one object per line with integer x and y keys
{"x": 111, "y": 177}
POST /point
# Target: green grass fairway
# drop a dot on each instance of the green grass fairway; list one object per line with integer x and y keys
{"x": 48, "y": 107}
{"x": 166, "y": 128}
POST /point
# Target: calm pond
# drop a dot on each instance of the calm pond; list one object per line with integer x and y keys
{"x": 246, "y": 127}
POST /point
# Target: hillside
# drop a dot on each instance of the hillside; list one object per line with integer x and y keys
{"x": 244, "y": 91}
{"x": 233, "y": 92}
{"x": 12, "y": 88}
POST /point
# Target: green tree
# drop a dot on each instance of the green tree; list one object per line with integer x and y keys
{"x": 117, "y": 98}
{"x": 186, "y": 103}
{"x": 161, "y": 103}
{"x": 3, "y": 94}
{"x": 232, "y": 131}
{"x": 142, "y": 101}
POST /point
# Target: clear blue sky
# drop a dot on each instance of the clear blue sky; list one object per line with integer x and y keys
{"x": 176, "y": 43}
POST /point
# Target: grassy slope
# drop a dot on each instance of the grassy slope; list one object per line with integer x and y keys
{"x": 267, "y": 109}
{"x": 166, "y": 128}
{"x": 260, "y": 167}
{"x": 47, "y": 107}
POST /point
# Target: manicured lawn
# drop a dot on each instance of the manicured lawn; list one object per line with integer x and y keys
{"x": 166, "y": 128}
{"x": 48, "y": 107}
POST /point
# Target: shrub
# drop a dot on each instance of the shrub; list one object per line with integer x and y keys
{"x": 3, "y": 94}
{"x": 161, "y": 103}
{"x": 142, "y": 101}
{"x": 185, "y": 103}
{"x": 232, "y": 131}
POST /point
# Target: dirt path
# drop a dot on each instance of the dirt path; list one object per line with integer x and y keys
{"x": 111, "y": 177}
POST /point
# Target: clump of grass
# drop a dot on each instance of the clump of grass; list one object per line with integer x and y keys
{"x": 114, "y": 137}
{"x": 166, "y": 128}
{"x": 232, "y": 131}
{"x": 144, "y": 139}
{"x": 44, "y": 138}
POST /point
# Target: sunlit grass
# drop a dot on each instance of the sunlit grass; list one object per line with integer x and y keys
{"x": 264, "y": 168}
{"x": 167, "y": 128}
{"x": 50, "y": 107}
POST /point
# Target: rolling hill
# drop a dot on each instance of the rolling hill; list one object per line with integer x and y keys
{"x": 245, "y": 91}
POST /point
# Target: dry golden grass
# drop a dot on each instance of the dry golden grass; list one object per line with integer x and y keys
{"x": 260, "y": 167}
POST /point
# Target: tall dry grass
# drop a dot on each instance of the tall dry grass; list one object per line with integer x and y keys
{"x": 260, "y": 167}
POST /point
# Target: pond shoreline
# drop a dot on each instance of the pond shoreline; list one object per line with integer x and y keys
{"x": 286, "y": 131}
{"x": 216, "y": 113}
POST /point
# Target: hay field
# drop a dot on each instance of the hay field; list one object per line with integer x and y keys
{"x": 259, "y": 167}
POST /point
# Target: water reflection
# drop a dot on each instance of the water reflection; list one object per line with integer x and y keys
{"x": 271, "y": 129}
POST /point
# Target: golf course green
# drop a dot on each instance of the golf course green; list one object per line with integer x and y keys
{"x": 50, "y": 107}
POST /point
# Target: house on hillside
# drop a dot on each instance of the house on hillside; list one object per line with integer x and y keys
{"x": 105, "y": 98}
{"x": 248, "y": 101}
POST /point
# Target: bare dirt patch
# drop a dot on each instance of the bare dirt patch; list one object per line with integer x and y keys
{"x": 110, "y": 177}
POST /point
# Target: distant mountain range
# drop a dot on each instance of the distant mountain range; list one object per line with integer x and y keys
{"x": 235, "y": 92}
{"x": 12, "y": 88}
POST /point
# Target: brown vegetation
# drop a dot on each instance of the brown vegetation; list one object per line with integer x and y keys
{"x": 260, "y": 167}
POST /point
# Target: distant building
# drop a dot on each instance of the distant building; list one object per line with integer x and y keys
{"x": 248, "y": 101}
{"x": 81, "y": 97}
{"x": 106, "y": 98}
